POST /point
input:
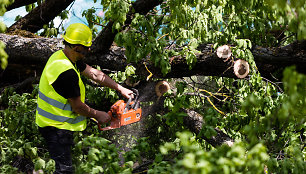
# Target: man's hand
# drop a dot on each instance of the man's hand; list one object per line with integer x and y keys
{"x": 126, "y": 92}
{"x": 102, "y": 117}
{"x": 81, "y": 108}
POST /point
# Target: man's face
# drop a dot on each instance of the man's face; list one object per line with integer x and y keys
{"x": 81, "y": 51}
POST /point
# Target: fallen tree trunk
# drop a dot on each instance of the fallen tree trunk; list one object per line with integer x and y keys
{"x": 30, "y": 50}
{"x": 37, "y": 50}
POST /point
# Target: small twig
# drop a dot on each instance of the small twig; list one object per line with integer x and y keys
{"x": 280, "y": 89}
{"x": 280, "y": 43}
{"x": 73, "y": 13}
{"x": 163, "y": 36}
{"x": 273, "y": 76}
{"x": 99, "y": 24}
{"x": 208, "y": 97}
{"x": 279, "y": 154}
{"x": 68, "y": 10}
{"x": 196, "y": 94}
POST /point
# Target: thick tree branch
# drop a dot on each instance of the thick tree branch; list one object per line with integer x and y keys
{"x": 41, "y": 15}
{"x": 19, "y": 3}
{"x": 30, "y": 50}
{"x": 37, "y": 51}
{"x": 106, "y": 37}
{"x": 193, "y": 121}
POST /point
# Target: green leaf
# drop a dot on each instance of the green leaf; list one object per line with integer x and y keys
{"x": 130, "y": 163}
{"x": 189, "y": 160}
{"x": 97, "y": 169}
{"x": 117, "y": 26}
{"x": 50, "y": 166}
{"x": 39, "y": 164}
{"x": 92, "y": 154}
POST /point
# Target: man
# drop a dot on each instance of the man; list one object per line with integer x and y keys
{"x": 60, "y": 104}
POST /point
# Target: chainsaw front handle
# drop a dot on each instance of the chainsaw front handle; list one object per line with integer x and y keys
{"x": 134, "y": 105}
{"x": 136, "y": 93}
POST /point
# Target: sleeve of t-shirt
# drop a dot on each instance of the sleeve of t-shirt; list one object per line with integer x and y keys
{"x": 81, "y": 65}
{"x": 67, "y": 84}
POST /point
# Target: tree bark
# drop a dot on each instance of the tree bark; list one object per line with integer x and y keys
{"x": 37, "y": 51}
{"x": 40, "y": 16}
{"x": 23, "y": 50}
{"x": 19, "y": 3}
{"x": 194, "y": 122}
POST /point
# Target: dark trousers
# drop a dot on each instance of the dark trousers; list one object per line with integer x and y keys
{"x": 59, "y": 143}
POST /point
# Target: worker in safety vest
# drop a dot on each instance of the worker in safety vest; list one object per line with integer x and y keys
{"x": 60, "y": 104}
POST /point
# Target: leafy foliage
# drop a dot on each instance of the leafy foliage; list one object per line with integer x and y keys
{"x": 3, "y": 55}
{"x": 183, "y": 25}
{"x": 292, "y": 13}
{"x": 194, "y": 159}
{"x": 268, "y": 126}
{"x": 266, "y": 119}
{"x": 19, "y": 132}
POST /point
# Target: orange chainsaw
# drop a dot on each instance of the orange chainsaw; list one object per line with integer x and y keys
{"x": 124, "y": 113}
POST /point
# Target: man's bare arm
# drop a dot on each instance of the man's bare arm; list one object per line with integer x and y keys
{"x": 103, "y": 79}
{"x": 83, "y": 109}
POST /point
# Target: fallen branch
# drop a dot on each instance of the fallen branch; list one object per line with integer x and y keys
{"x": 37, "y": 50}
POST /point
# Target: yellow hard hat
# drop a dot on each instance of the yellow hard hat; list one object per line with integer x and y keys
{"x": 78, "y": 33}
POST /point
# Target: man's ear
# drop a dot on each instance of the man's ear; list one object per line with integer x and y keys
{"x": 74, "y": 48}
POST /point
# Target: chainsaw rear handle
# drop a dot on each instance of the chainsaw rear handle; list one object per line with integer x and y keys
{"x": 108, "y": 127}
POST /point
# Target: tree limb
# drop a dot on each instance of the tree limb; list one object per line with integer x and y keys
{"x": 19, "y": 3}
{"x": 23, "y": 50}
{"x": 37, "y": 50}
{"x": 41, "y": 15}
{"x": 106, "y": 37}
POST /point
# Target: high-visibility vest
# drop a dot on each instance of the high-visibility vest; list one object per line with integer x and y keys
{"x": 52, "y": 108}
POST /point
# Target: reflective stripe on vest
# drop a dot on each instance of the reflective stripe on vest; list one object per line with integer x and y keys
{"x": 55, "y": 103}
{"x": 59, "y": 105}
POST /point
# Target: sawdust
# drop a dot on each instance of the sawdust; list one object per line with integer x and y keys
{"x": 125, "y": 138}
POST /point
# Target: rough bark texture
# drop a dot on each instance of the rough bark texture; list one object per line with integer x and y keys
{"x": 41, "y": 15}
{"x": 194, "y": 122}
{"x": 30, "y": 50}
{"x": 37, "y": 50}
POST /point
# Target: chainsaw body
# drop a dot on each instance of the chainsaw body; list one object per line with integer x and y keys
{"x": 123, "y": 113}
